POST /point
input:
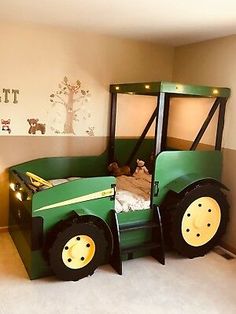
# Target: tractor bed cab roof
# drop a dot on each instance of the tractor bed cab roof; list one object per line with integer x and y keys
{"x": 154, "y": 88}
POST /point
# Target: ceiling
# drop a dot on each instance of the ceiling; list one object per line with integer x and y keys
{"x": 169, "y": 21}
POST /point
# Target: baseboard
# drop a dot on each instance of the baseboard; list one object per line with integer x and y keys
{"x": 3, "y": 229}
{"x": 228, "y": 247}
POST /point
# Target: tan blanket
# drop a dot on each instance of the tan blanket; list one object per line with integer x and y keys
{"x": 133, "y": 193}
{"x": 138, "y": 184}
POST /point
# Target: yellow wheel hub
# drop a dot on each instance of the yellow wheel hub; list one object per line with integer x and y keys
{"x": 201, "y": 221}
{"x": 78, "y": 251}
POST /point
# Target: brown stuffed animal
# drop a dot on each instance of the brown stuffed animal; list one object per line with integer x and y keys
{"x": 116, "y": 171}
{"x": 141, "y": 168}
{"x": 35, "y": 126}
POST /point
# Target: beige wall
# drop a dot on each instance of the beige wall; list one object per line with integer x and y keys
{"x": 133, "y": 113}
{"x": 213, "y": 63}
{"x": 186, "y": 117}
{"x": 34, "y": 59}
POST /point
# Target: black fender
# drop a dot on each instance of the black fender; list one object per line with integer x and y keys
{"x": 206, "y": 181}
{"x": 173, "y": 196}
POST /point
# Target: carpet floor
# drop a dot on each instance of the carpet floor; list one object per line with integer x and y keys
{"x": 202, "y": 285}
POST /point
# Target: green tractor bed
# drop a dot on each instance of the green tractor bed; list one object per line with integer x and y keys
{"x": 71, "y": 228}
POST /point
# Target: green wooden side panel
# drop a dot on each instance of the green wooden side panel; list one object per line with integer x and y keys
{"x": 175, "y": 170}
{"x": 64, "y": 167}
{"x": 99, "y": 207}
{"x": 141, "y": 236}
{"x": 21, "y": 226}
{"x": 124, "y": 147}
{"x": 136, "y": 216}
{"x": 39, "y": 266}
{"x": 69, "y": 191}
{"x": 154, "y": 88}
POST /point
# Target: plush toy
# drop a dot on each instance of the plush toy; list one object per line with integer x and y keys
{"x": 140, "y": 169}
{"x": 6, "y": 125}
{"x": 116, "y": 171}
{"x": 35, "y": 126}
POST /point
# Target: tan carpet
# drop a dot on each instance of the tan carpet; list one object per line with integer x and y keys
{"x": 203, "y": 285}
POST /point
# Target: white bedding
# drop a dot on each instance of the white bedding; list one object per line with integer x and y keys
{"x": 132, "y": 193}
{"x": 55, "y": 182}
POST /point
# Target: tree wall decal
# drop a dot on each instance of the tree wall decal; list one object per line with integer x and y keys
{"x": 73, "y": 98}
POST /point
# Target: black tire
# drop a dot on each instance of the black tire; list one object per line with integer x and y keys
{"x": 71, "y": 230}
{"x": 180, "y": 214}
